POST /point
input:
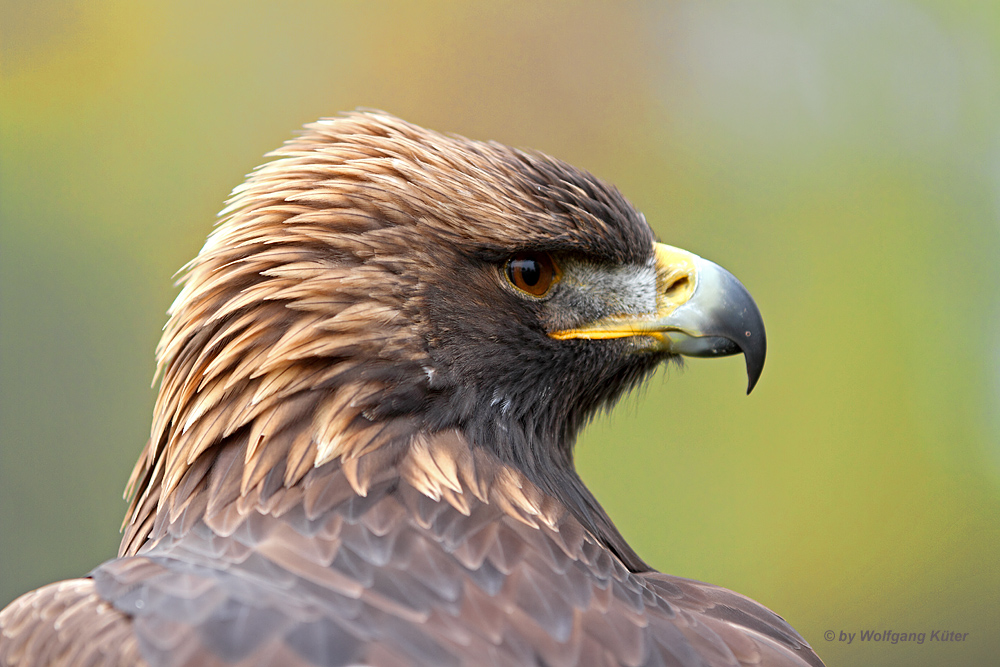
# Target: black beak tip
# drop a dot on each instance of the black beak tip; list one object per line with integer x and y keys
{"x": 754, "y": 347}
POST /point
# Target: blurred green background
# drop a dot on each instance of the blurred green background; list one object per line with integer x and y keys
{"x": 842, "y": 159}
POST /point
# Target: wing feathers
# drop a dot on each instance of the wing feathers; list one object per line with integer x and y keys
{"x": 390, "y": 578}
{"x": 398, "y": 578}
{"x": 66, "y": 624}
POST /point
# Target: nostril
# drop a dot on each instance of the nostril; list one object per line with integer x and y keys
{"x": 676, "y": 285}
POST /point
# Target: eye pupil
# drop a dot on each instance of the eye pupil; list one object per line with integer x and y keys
{"x": 531, "y": 272}
{"x": 528, "y": 270}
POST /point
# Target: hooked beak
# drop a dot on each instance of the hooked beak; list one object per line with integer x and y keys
{"x": 702, "y": 310}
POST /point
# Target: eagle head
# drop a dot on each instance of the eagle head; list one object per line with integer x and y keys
{"x": 377, "y": 283}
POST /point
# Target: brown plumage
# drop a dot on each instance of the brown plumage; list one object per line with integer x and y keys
{"x": 361, "y": 451}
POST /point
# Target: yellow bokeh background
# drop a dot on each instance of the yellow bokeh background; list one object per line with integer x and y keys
{"x": 842, "y": 159}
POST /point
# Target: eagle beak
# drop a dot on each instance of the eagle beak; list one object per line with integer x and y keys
{"x": 702, "y": 310}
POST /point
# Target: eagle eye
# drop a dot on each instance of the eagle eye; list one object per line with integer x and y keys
{"x": 531, "y": 272}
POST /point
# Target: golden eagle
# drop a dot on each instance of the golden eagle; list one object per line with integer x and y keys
{"x": 362, "y": 447}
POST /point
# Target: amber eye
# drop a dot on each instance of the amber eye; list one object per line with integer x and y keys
{"x": 532, "y": 272}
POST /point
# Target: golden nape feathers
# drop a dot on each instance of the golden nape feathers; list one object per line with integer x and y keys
{"x": 362, "y": 447}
